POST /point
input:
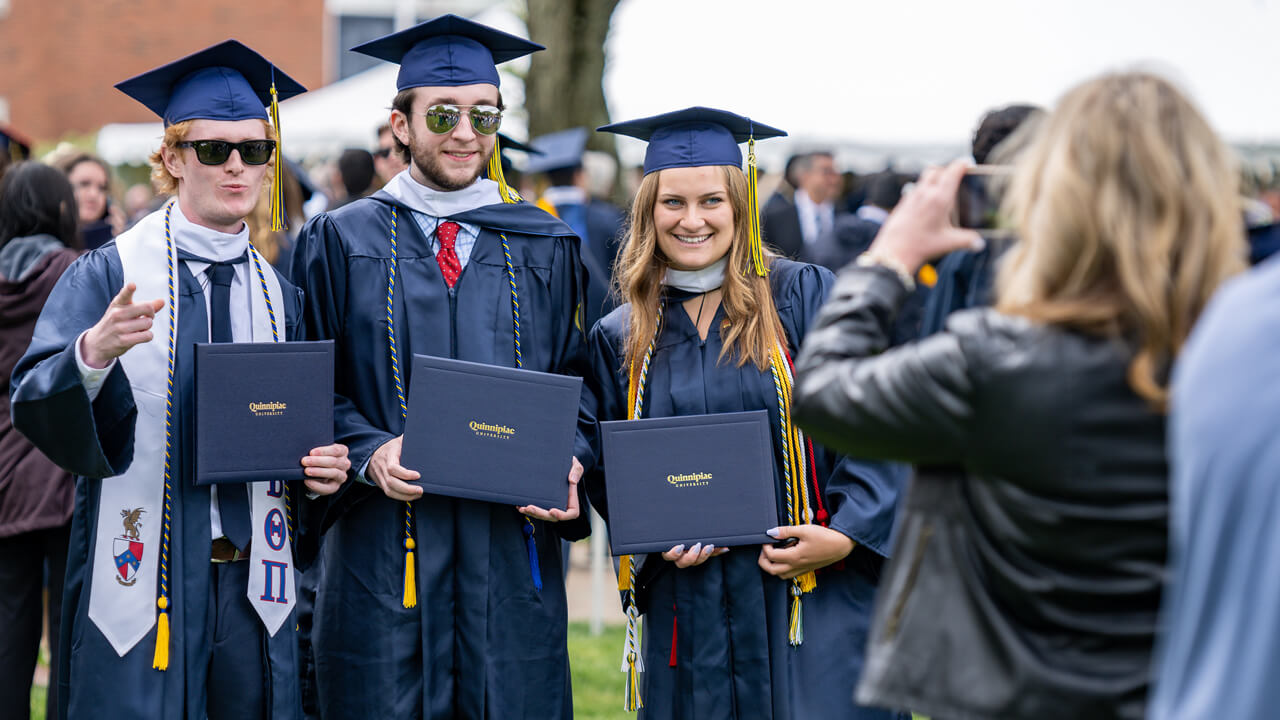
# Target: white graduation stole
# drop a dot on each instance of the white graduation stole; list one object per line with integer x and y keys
{"x": 125, "y": 577}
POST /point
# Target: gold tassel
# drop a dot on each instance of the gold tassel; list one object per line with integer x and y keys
{"x": 808, "y": 581}
{"x": 161, "y": 661}
{"x": 753, "y": 202}
{"x": 632, "y": 701}
{"x": 508, "y": 194}
{"x": 547, "y": 207}
{"x": 797, "y": 618}
{"x": 278, "y": 219}
{"x": 624, "y": 573}
{"x": 410, "y": 576}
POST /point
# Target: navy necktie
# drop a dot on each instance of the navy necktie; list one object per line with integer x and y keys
{"x": 233, "y": 499}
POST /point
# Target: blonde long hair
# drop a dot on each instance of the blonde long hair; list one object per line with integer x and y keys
{"x": 1129, "y": 216}
{"x": 751, "y": 326}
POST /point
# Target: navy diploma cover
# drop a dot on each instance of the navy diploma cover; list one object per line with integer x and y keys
{"x": 689, "y": 479}
{"x": 260, "y": 407}
{"x": 491, "y": 433}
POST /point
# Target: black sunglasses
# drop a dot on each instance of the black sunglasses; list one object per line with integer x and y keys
{"x": 216, "y": 152}
{"x": 382, "y": 153}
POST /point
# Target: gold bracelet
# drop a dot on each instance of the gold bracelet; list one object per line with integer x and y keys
{"x": 869, "y": 259}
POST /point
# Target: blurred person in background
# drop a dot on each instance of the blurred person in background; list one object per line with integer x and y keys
{"x": 355, "y": 176}
{"x": 1031, "y": 582}
{"x": 790, "y": 226}
{"x": 139, "y": 201}
{"x": 965, "y": 277}
{"x": 851, "y": 235}
{"x": 781, "y": 202}
{"x": 38, "y": 241}
{"x": 276, "y": 246}
{"x": 100, "y": 219}
{"x": 387, "y": 159}
{"x": 14, "y": 147}
{"x": 1218, "y": 652}
{"x": 597, "y": 223}
{"x": 709, "y": 323}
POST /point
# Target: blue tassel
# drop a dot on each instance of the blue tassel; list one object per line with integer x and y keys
{"x": 534, "y": 570}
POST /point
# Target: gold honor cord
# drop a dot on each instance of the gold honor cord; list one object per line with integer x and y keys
{"x": 160, "y": 660}
{"x": 632, "y": 663}
{"x": 794, "y": 467}
{"x": 410, "y": 593}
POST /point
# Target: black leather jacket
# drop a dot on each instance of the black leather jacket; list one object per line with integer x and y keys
{"x": 1027, "y": 585}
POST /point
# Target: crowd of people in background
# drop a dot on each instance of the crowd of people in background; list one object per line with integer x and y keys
{"x": 1035, "y": 338}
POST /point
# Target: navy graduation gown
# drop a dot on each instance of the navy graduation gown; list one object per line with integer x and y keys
{"x": 482, "y": 642}
{"x": 729, "y": 620}
{"x": 95, "y": 440}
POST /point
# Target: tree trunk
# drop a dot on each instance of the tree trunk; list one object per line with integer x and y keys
{"x": 565, "y": 87}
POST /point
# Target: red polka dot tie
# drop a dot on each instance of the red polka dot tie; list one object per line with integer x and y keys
{"x": 447, "y": 257}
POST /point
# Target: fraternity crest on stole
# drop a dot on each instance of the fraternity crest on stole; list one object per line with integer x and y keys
{"x": 127, "y": 549}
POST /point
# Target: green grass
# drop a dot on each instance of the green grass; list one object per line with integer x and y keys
{"x": 597, "y": 682}
{"x": 37, "y": 702}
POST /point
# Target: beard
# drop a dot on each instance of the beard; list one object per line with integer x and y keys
{"x": 433, "y": 169}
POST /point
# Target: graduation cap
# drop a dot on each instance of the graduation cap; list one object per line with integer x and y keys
{"x": 447, "y": 51}
{"x": 505, "y": 143}
{"x": 510, "y": 143}
{"x": 14, "y": 144}
{"x": 559, "y": 150}
{"x": 693, "y": 137}
{"x": 697, "y": 137}
{"x": 228, "y": 81}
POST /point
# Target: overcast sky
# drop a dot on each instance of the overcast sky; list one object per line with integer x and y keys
{"x": 925, "y": 70}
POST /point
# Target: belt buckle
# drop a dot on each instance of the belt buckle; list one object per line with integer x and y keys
{"x": 222, "y": 551}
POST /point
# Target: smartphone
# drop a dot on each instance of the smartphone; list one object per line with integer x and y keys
{"x": 979, "y": 195}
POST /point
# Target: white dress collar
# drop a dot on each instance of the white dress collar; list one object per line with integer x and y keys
{"x": 440, "y": 203}
{"x": 207, "y": 242}
{"x": 699, "y": 281}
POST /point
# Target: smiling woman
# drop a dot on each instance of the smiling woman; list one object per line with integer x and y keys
{"x": 709, "y": 325}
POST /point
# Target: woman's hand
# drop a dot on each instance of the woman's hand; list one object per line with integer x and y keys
{"x": 920, "y": 228}
{"x": 816, "y": 547}
{"x": 695, "y": 555}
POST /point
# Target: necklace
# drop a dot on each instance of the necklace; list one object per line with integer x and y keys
{"x": 697, "y": 322}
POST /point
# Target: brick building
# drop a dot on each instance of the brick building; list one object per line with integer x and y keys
{"x": 60, "y": 58}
